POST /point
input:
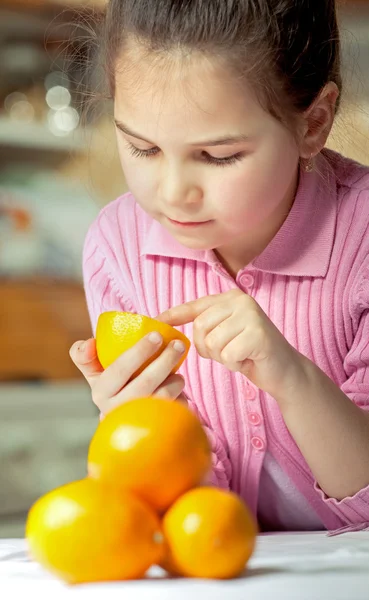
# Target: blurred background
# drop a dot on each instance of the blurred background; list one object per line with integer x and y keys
{"x": 55, "y": 175}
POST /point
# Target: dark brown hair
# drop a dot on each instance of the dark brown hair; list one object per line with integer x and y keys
{"x": 288, "y": 49}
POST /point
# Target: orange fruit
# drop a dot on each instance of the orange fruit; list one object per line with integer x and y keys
{"x": 116, "y": 332}
{"x": 209, "y": 533}
{"x": 152, "y": 447}
{"x": 83, "y": 532}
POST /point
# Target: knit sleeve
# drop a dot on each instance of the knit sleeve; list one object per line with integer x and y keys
{"x": 357, "y": 360}
{"x": 221, "y": 472}
{"x": 101, "y": 290}
{"x": 354, "y": 510}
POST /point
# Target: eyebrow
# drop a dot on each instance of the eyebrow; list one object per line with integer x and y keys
{"x": 223, "y": 141}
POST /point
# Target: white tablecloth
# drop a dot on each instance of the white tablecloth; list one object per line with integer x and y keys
{"x": 307, "y": 566}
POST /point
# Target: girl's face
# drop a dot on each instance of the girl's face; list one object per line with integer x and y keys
{"x": 202, "y": 157}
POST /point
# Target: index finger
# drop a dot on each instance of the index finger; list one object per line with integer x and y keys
{"x": 186, "y": 313}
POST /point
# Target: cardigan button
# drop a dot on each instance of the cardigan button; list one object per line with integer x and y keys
{"x": 246, "y": 281}
{"x": 254, "y": 418}
{"x": 257, "y": 443}
{"x": 250, "y": 393}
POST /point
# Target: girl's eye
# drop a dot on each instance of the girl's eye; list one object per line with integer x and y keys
{"x": 142, "y": 153}
{"x": 210, "y": 160}
{"x": 222, "y": 162}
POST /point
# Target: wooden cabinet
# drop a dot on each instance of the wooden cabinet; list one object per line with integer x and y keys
{"x": 39, "y": 321}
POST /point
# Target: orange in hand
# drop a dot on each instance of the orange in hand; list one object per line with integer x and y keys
{"x": 116, "y": 332}
{"x": 83, "y": 532}
{"x": 152, "y": 447}
{"x": 209, "y": 533}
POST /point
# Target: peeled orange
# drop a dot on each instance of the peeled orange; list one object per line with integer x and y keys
{"x": 83, "y": 532}
{"x": 116, "y": 332}
{"x": 152, "y": 447}
{"x": 209, "y": 533}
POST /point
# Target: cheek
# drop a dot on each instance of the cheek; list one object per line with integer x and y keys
{"x": 257, "y": 189}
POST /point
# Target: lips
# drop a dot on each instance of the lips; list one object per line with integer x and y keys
{"x": 187, "y": 222}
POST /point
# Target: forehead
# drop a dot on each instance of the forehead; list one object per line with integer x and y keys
{"x": 172, "y": 89}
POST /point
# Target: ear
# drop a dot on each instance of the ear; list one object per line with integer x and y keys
{"x": 318, "y": 120}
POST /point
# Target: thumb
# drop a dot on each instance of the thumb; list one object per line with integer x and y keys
{"x": 84, "y": 356}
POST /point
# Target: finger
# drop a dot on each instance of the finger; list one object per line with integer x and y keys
{"x": 153, "y": 376}
{"x": 117, "y": 375}
{"x": 221, "y": 337}
{"x": 206, "y": 323}
{"x": 186, "y": 313}
{"x": 182, "y": 398}
{"x": 237, "y": 353}
{"x": 171, "y": 388}
{"x": 84, "y": 356}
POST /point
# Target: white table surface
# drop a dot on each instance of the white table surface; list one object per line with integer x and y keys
{"x": 306, "y": 566}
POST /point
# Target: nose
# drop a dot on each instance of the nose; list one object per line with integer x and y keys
{"x": 179, "y": 189}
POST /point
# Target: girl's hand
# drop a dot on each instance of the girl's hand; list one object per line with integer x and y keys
{"x": 232, "y": 329}
{"x": 110, "y": 388}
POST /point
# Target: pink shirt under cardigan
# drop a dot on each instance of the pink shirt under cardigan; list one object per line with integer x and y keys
{"x": 313, "y": 282}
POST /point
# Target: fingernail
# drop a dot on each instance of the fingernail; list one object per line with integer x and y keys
{"x": 179, "y": 346}
{"x": 154, "y": 337}
{"x": 82, "y": 347}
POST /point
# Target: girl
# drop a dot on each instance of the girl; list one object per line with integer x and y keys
{"x": 243, "y": 231}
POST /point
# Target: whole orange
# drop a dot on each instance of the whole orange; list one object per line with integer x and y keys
{"x": 209, "y": 533}
{"x": 153, "y": 447}
{"x": 116, "y": 332}
{"x": 83, "y": 532}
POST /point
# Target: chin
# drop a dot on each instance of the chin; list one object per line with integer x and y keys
{"x": 195, "y": 244}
